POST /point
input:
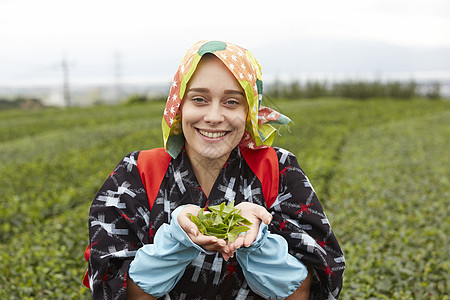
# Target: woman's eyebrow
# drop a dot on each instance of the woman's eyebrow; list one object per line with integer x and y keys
{"x": 206, "y": 90}
{"x": 198, "y": 90}
{"x": 234, "y": 92}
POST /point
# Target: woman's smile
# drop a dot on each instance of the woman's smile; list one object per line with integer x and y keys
{"x": 212, "y": 134}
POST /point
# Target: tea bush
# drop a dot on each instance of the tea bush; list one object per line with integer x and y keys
{"x": 380, "y": 168}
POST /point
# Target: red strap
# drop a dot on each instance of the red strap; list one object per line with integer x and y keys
{"x": 264, "y": 163}
{"x": 87, "y": 252}
{"x": 152, "y": 165}
{"x": 86, "y": 279}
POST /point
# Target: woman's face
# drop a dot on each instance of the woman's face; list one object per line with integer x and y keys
{"x": 213, "y": 112}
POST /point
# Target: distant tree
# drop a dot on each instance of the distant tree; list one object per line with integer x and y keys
{"x": 136, "y": 98}
{"x": 295, "y": 90}
{"x": 142, "y": 98}
{"x": 316, "y": 89}
{"x": 21, "y": 103}
{"x": 434, "y": 91}
{"x": 351, "y": 89}
{"x": 276, "y": 88}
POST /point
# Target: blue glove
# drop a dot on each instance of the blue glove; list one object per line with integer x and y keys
{"x": 269, "y": 269}
{"x": 158, "y": 267}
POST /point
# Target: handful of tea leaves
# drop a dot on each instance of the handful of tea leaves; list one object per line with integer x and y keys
{"x": 223, "y": 222}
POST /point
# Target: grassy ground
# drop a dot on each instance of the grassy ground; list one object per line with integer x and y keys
{"x": 380, "y": 168}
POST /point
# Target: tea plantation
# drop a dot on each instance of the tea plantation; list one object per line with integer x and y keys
{"x": 380, "y": 167}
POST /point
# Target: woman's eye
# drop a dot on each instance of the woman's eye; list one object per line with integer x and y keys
{"x": 198, "y": 100}
{"x": 232, "y": 102}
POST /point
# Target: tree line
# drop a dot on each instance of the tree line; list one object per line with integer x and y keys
{"x": 355, "y": 89}
{"x": 20, "y": 102}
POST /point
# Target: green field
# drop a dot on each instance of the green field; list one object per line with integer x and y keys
{"x": 380, "y": 167}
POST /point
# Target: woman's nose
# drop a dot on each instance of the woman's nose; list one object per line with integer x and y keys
{"x": 214, "y": 114}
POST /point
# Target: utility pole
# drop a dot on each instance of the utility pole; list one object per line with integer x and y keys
{"x": 118, "y": 76}
{"x": 64, "y": 65}
{"x": 66, "y": 86}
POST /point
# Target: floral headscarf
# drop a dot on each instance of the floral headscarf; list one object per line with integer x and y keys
{"x": 259, "y": 132}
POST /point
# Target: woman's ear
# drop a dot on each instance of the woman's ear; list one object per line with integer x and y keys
{"x": 181, "y": 107}
{"x": 179, "y": 112}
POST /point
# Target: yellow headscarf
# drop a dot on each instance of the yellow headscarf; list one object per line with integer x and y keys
{"x": 259, "y": 132}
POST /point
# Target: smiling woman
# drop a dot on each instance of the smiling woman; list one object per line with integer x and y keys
{"x": 217, "y": 137}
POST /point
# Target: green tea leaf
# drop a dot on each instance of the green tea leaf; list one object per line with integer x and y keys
{"x": 246, "y": 222}
{"x": 220, "y": 236}
{"x": 196, "y": 221}
{"x": 221, "y": 226}
{"x": 222, "y": 221}
{"x": 218, "y": 219}
{"x": 214, "y": 208}
{"x": 228, "y": 216}
{"x": 240, "y": 229}
{"x": 229, "y": 208}
{"x": 216, "y": 230}
{"x": 232, "y": 235}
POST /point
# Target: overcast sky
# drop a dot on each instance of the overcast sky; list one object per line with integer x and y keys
{"x": 35, "y": 35}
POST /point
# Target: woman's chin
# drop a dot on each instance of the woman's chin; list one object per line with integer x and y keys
{"x": 212, "y": 153}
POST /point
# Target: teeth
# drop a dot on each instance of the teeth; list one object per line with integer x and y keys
{"x": 212, "y": 134}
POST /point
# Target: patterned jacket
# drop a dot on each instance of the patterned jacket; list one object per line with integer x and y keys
{"x": 121, "y": 221}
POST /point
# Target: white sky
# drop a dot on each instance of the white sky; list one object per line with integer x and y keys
{"x": 35, "y": 33}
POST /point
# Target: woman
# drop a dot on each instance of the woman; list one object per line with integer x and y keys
{"x": 217, "y": 139}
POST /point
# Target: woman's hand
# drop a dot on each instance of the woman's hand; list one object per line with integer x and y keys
{"x": 210, "y": 243}
{"x": 254, "y": 213}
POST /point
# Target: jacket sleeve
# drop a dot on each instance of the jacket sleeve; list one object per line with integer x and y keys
{"x": 299, "y": 217}
{"x": 158, "y": 267}
{"x": 269, "y": 269}
{"x": 118, "y": 225}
